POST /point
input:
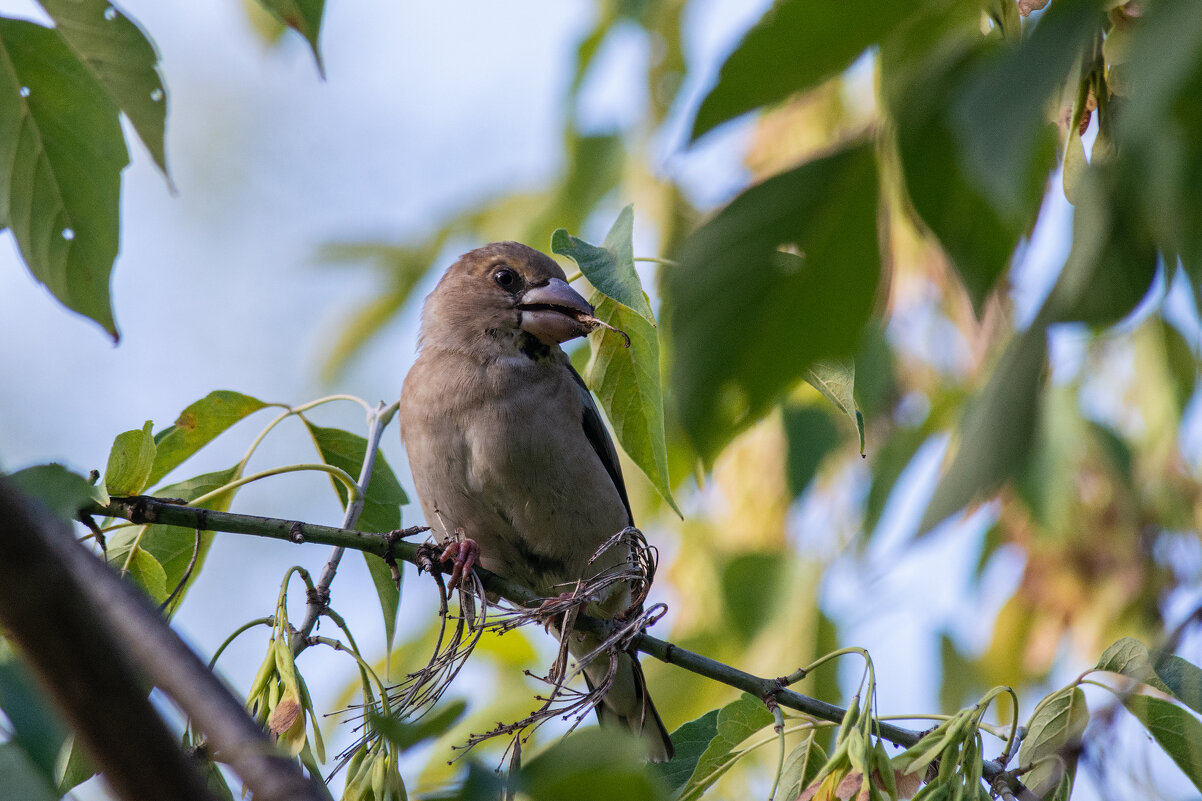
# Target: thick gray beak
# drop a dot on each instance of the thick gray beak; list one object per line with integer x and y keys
{"x": 552, "y": 312}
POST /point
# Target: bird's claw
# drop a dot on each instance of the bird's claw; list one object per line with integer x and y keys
{"x": 464, "y": 555}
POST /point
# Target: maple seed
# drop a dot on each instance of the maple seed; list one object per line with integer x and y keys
{"x": 593, "y": 322}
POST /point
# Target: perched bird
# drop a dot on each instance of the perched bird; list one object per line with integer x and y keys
{"x": 510, "y": 458}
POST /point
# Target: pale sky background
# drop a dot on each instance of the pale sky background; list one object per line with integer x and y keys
{"x": 426, "y": 108}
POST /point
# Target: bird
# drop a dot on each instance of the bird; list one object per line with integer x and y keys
{"x": 512, "y": 464}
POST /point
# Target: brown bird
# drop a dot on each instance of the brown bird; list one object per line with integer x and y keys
{"x": 507, "y": 447}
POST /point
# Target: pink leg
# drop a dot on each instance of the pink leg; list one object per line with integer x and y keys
{"x": 465, "y": 555}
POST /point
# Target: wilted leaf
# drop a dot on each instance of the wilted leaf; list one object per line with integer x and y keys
{"x": 130, "y": 461}
{"x": 746, "y": 320}
{"x": 198, "y": 425}
{"x": 119, "y": 55}
{"x": 61, "y": 156}
{"x": 1175, "y": 730}
{"x": 796, "y": 44}
{"x": 1054, "y": 740}
{"x": 610, "y": 267}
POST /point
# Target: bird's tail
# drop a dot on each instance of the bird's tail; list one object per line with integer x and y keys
{"x": 628, "y": 704}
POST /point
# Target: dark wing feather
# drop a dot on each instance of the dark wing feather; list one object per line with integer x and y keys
{"x": 598, "y": 437}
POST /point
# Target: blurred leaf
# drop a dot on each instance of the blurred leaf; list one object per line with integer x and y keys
{"x": 796, "y": 44}
{"x": 690, "y": 741}
{"x": 172, "y": 546}
{"x": 381, "y": 507}
{"x": 22, "y": 779}
{"x": 1182, "y": 364}
{"x": 402, "y": 267}
{"x": 750, "y": 582}
{"x": 304, "y": 17}
{"x": 1175, "y": 730}
{"x": 58, "y": 489}
{"x": 61, "y": 156}
{"x": 121, "y": 57}
{"x": 745, "y": 320}
{"x": 609, "y": 268}
{"x": 737, "y": 721}
{"x": 810, "y": 435}
{"x": 889, "y": 461}
{"x": 34, "y": 725}
{"x": 1159, "y": 130}
{"x": 1008, "y": 144}
{"x": 1112, "y": 262}
{"x": 405, "y": 735}
{"x": 72, "y": 768}
{"x": 948, "y": 199}
{"x": 996, "y": 433}
{"x": 801, "y": 767}
{"x": 1183, "y": 679}
{"x": 592, "y": 765}
{"x": 626, "y": 382}
{"x": 837, "y": 383}
{"x": 1129, "y": 657}
{"x": 198, "y": 425}
{"x": 1053, "y": 740}
{"x": 957, "y": 676}
{"x": 130, "y": 461}
{"x": 594, "y": 168}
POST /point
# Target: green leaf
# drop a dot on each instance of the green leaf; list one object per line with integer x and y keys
{"x": 1175, "y": 730}
{"x": 1053, "y": 740}
{"x": 810, "y": 435}
{"x": 130, "y": 461}
{"x": 22, "y": 779}
{"x": 72, "y": 768}
{"x": 35, "y": 725}
{"x": 837, "y": 383}
{"x": 945, "y": 196}
{"x": 592, "y": 765}
{"x": 61, "y": 156}
{"x": 690, "y": 741}
{"x": 1129, "y": 657}
{"x": 750, "y": 582}
{"x": 145, "y": 571}
{"x": 801, "y": 766}
{"x": 381, "y": 508}
{"x": 172, "y": 546}
{"x": 1183, "y": 679}
{"x": 304, "y": 17}
{"x": 737, "y": 721}
{"x": 609, "y": 268}
{"x": 1112, "y": 261}
{"x": 996, "y": 433}
{"x": 746, "y": 320}
{"x": 796, "y": 44}
{"x": 119, "y": 55}
{"x": 1008, "y": 144}
{"x": 406, "y": 735}
{"x": 58, "y": 489}
{"x": 626, "y": 383}
{"x": 197, "y": 425}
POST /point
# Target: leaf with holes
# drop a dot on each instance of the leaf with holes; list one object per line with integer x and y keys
{"x": 61, "y": 156}
{"x": 119, "y": 55}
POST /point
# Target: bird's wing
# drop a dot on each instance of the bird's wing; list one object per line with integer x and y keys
{"x": 598, "y": 437}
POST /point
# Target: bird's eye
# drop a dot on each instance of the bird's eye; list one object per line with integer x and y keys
{"x": 505, "y": 278}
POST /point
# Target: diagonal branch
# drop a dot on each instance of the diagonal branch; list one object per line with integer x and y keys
{"x": 143, "y": 509}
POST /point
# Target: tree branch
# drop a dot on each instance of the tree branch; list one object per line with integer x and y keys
{"x": 90, "y": 637}
{"x": 143, "y": 509}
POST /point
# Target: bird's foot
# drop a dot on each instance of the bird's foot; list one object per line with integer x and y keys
{"x": 464, "y": 554}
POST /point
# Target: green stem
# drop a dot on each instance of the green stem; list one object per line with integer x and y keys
{"x": 259, "y": 621}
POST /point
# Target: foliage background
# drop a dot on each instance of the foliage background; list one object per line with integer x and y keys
{"x": 231, "y": 282}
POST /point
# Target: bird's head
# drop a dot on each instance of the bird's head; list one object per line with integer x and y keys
{"x": 500, "y": 295}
